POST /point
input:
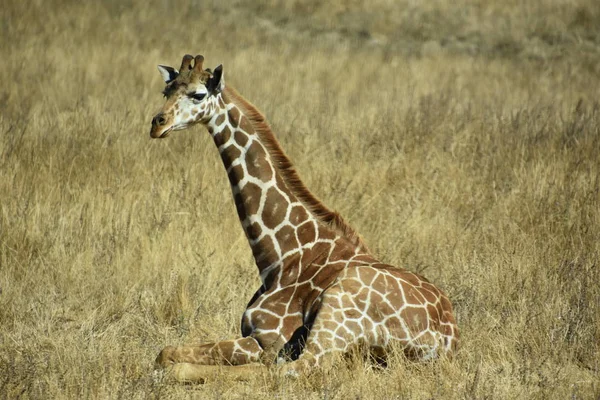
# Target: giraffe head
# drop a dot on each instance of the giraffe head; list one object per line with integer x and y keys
{"x": 191, "y": 96}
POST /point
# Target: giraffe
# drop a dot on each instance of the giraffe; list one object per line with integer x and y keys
{"x": 322, "y": 292}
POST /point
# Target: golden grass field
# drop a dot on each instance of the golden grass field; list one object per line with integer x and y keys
{"x": 461, "y": 138}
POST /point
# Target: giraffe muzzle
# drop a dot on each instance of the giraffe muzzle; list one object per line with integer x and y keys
{"x": 159, "y": 128}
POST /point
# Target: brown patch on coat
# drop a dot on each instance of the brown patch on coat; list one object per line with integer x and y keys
{"x": 430, "y": 296}
{"x": 375, "y": 310}
{"x": 235, "y": 175}
{"x": 367, "y": 275}
{"x": 416, "y": 318}
{"x": 222, "y": 137}
{"x": 240, "y": 138}
{"x": 307, "y": 233}
{"x": 234, "y": 117}
{"x": 263, "y": 252}
{"x": 298, "y": 215}
{"x": 257, "y": 164}
{"x": 286, "y": 238}
{"x": 266, "y": 321}
{"x": 230, "y": 154}
{"x": 245, "y": 125}
{"x": 254, "y": 230}
{"x": 433, "y": 312}
{"x": 275, "y": 208}
{"x": 250, "y": 195}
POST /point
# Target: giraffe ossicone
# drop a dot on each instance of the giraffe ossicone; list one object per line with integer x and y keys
{"x": 322, "y": 291}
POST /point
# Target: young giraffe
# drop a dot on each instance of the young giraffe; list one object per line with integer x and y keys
{"x": 322, "y": 291}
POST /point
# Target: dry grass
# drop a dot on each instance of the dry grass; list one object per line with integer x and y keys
{"x": 461, "y": 139}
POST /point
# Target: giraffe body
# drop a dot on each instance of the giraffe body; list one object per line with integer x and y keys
{"x": 322, "y": 291}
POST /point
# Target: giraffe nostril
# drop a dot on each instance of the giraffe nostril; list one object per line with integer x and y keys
{"x": 159, "y": 120}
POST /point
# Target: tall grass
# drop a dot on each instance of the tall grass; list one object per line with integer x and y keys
{"x": 461, "y": 140}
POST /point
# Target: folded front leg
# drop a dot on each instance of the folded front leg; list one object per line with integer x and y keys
{"x": 228, "y": 352}
{"x": 196, "y": 373}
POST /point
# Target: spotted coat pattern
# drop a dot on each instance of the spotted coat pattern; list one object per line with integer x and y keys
{"x": 322, "y": 291}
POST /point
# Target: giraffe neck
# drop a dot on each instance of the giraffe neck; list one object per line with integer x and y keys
{"x": 277, "y": 224}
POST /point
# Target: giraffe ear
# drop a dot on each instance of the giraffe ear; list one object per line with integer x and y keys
{"x": 216, "y": 83}
{"x": 168, "y": 73}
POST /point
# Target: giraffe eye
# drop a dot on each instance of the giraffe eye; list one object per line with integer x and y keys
{"x": 197, "y": 96}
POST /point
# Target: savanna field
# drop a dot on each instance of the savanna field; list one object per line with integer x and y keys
{"x": 461, "y": 139}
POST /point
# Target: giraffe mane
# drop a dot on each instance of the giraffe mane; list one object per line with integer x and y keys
{"x": 285, "y": 167}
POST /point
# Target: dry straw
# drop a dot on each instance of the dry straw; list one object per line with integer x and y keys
{"x": 460, "y": 139}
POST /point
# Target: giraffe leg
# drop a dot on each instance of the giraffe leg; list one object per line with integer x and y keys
{"x": 192, "y": 372}
{"x": 344, "y": 323}
{"x": 228, "y": 352}
{"x": 325, "y": 340}
{"x": 238, "y": 359}
{"x": 197, "y": 373}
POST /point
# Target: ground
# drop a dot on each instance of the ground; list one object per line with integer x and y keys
{"x": 460, "y": 138}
